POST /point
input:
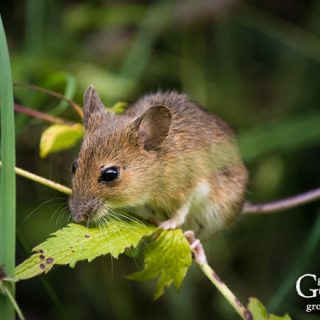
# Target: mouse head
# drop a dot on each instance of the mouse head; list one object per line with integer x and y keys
{"x": 117, "y": 163}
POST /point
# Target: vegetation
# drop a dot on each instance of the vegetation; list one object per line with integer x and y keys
{"x": 253, "y": 64}
{"x": 7, "y": 179}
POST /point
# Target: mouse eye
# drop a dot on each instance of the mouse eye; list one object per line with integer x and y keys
{"x": 74, "y": 166}
{"x": 109, "y": 174}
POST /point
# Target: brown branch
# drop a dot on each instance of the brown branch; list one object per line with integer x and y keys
{"x": 74, "y": 105}
{"x": 283, "y": 204}
{"x": 40, "y": 115}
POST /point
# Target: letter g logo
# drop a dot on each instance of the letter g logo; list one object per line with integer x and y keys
{"x": 298, "y": 286}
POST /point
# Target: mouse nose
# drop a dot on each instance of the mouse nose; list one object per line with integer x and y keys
{"x": 83, "y": 209}
{"x": 80, "y": 215}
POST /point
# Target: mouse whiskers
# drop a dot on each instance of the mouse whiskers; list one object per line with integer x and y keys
{"x": 103, "y": 222}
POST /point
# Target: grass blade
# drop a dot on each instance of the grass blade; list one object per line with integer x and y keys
{"x": 283, "y": 135}
{"x": 7, "y": 179}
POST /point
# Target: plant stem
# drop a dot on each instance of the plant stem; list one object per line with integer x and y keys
{"x": 200, "y": 259}
{"x": 49, "y": 183}
{"x": 14, "y": 303}
{"x": 7, "y": 179}
{"x": 40, "y": 115}
{"x": 60, "y": 96}
{"x": 225, "y": 291}
{"x": 283, "y": 204}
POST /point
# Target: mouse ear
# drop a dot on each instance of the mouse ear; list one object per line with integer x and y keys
{"x": 153, "y": 126}
{"x": 91, "y": 104}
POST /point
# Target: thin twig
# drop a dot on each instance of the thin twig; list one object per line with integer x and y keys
{"x": 283, "y": 204}
{"x": 40, "y": 115}
{"x": 226, "y": 292}
{"x": 49, "y": 183}
{"x": 201, "y": 260}
{"x": 74, "y": 105}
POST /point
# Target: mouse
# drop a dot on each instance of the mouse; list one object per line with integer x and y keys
{"x": 165, "y": 159}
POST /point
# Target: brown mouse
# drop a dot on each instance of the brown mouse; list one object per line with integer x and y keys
{"x": 165, "y": 157}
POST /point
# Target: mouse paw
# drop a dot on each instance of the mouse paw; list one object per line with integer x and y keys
{"x": 190, "y": 236}
{"x": 196, "y": 247}
{"x": 169, "y": 224}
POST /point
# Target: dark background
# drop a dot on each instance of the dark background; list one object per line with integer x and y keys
{"x": 254, "y": 63}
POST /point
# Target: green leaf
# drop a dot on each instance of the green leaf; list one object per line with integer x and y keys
{"x": 59, "y": 137}
{"x": 167, "y": 253}
{"x": 259, "y": 311}
{"x": 76, "y": 242}
{"x": 167, "y": 258}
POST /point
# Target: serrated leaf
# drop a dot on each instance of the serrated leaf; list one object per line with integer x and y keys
{"x": 59, "y": 137}
{"x": 259, "y": 311}
{"x": 167, "y": 258}
{"x": 76, "y": 242}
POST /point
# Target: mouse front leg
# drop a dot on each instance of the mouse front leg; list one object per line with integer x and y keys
{"x": 198, "y": 196}
{"x": 178, "y": 218}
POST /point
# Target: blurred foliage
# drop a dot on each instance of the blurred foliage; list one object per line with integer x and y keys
{"x": 254, "y": 63}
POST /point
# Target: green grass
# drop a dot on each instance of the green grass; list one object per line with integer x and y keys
{"x": 283, "y": 135}
{"x": 7, "y": 182}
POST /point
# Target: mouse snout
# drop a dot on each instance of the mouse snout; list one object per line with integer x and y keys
{"x": 83, "y": 210}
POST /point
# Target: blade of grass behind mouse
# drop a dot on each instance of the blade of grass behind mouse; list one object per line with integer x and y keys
{"x": 7, "y": 182}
